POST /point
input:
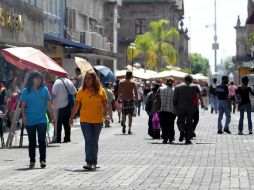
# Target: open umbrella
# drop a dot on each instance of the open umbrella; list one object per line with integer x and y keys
{"x": 32, "y": 59}
{"x": 83, "y": 64}
{"x": 107, "y": 74}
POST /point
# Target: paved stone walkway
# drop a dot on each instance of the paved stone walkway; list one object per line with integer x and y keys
{"x": 138, "y": 162}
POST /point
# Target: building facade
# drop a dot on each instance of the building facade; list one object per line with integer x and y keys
{"x": 75, "y": 28}
{"x": 134, "y": 19}
{"x": 244, "y": 50}
{"x": 20, "y": 25}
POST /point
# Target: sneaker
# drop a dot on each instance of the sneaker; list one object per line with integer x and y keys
{"x": 220, "y": 132}
{"x": 188, "y": 142}
{"x": 240, "y": 133}
{"x": 43, "y": 164}
{"x": 227, "y": 131}
{"x": 31, "y": 165}
{"x": 250, "y": 132}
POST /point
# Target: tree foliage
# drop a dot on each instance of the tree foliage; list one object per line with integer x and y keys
{"x": 156, "y": 46}
{"x": 199, "y": 64}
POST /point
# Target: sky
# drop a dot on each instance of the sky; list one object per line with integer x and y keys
{"x": 199, "y": 19}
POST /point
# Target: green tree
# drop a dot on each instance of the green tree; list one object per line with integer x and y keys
{"x": 199, "y": 64}
{"x": 155, "y": 46}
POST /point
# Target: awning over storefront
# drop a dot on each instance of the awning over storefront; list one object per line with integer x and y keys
{"x": 80, "y": 49}
{"x": 65, "y": 42}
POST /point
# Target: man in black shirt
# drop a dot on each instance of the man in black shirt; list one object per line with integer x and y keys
{"x": 223, "y": 105}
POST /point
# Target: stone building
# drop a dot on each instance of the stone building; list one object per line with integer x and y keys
{"x": 244, "y": 52}
{"x": 134, "y": 18}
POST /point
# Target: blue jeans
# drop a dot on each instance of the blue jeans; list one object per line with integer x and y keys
{"x": 214, "y": 102}
{"x": 91, "y": 132}
{"x": 246, "y": 107}
{"x": 41, "y": 131}
{"x": 223, "y": 107}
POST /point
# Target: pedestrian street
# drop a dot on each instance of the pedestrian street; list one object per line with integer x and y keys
{"x": 136, "y": 161}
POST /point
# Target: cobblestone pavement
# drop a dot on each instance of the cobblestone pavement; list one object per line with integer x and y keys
{"x": 138, "y": 162}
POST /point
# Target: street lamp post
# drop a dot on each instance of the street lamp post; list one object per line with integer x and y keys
{"x": 133, "y": 47}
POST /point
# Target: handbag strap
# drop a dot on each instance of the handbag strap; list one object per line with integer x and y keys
{"x": 65, "y": 86}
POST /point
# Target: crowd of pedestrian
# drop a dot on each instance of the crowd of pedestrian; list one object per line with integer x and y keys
{"x": 164, "y": 101}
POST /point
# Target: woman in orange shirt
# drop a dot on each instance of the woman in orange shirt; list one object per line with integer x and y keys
{"x": 93, "y": 100}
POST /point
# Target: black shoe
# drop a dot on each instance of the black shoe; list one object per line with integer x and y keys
{"x": 164, "y": 141}
{"x": 88, "y": 167}
{"x": 194, "y": 134}
{"x": 181, "y": 138}
{"x": 31, "y": 165}
{"x": 123, "y": 130}
{"x": 129, "y": 132}
{"x": 188, "y": 142}
{"x": 250, "y": 132}
{"x": 227, "y": 131}
{"x": 220, "y": 132}
{"x": 66, "y": 141}
{"x": 43, "y": 164}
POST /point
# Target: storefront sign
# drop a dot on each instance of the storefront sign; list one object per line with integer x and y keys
{"x": 11, "y": 20}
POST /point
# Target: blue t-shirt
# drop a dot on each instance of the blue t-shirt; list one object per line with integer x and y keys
{"x": 36, "y": 105}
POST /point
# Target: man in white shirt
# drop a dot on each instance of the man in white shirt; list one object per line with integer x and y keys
{"x": 61, "y": 103}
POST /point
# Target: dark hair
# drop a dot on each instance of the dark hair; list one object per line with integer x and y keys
{"x": 245, "y": 80}
{"x": 223, "y": 78}
{"x": 95, "y": 81}
{"x": 128, "y": 74}
{"x": 188, "y": 78}
{"x": 31, "y": 77}
{"x": 214, "y": 80}
{"x": 232, "y": 82}
{"x": 78, "y": 69}
{"x": 170, "y": 81}
{"x": 155, "y": 87}
{"x": 4, "y": 82}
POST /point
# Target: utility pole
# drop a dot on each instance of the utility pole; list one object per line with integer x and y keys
{"x": 115, "y": 30}
{"x": 215, "y": 45}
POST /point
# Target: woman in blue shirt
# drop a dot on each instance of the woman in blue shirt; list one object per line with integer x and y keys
{"x": 35, "y": 100}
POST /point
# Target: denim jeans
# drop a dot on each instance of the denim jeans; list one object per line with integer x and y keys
{"x": 246, "y": 107}
{"x": 41, "y": 131}
{"x": 223, "y": 107}
{"x": 91, "y": 132}
{"x": 214, "y": 102}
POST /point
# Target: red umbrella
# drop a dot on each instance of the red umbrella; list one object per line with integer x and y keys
{"x": 32, "y": 59}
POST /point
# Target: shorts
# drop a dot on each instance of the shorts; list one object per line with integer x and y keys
{"x": 128, "y": 107}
